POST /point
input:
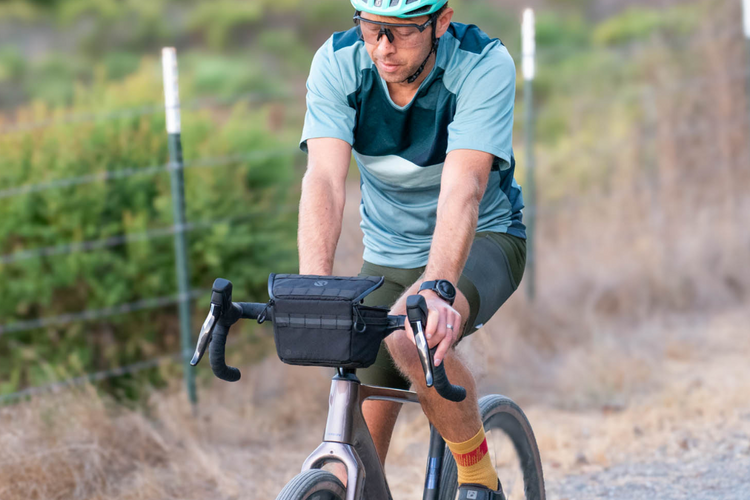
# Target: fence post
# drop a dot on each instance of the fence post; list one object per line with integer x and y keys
{"x": 528, "y": 32}
{"x": 746, "y": 23}
{"x": 176, "y": 169}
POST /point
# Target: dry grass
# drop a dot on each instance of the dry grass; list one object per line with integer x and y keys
{"x": 250, "y": 438}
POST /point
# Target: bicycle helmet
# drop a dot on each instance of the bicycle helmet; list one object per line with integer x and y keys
{"x": 399, "y": 8}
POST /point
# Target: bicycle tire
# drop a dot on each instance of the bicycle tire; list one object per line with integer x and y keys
{"x": 313, "y": 484}
{"x": 501, "y": 414}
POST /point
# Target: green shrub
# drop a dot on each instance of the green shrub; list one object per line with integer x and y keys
{"x": 559, "y": 36}
{"x": 223, "y": 76}
{"x": 12, "y": 64}
{"x": 251, "y": 196}
{"x": 638, "y": 24}
{"x": 119, "y": 64}
{"x": 221, "y": 19}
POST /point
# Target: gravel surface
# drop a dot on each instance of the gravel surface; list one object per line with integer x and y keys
{"x": 708, "y": 478}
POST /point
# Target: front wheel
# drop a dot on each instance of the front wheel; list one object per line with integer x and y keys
{"x": 513, "y": 451}
{"x": 313, "y": 484}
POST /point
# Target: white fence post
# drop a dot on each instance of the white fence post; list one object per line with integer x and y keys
{"x": 176, "y": 171}
{"x": 528, "y": 33}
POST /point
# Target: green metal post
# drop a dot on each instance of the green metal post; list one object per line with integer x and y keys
{"x": 746, "y": 25}
{"x": 530, "y": 192}
{"x": 529, "y": 70}
{"x": 176, "y": 169}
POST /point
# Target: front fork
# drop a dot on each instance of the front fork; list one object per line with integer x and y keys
{"x": 347, "y": 440}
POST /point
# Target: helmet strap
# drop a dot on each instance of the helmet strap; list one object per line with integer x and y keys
{"x": 435, "y": 42}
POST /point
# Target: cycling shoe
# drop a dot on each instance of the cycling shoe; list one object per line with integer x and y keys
{"x": 479, "y": 492}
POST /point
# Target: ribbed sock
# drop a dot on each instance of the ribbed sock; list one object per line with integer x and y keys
{"x": 473, "y": 461}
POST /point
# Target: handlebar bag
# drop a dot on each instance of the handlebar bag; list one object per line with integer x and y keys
{"x": 321, "y": 321}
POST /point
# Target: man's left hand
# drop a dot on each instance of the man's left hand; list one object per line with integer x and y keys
{"x": 443, "y": 325}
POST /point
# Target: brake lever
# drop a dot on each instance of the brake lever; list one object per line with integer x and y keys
{"x": 204, "y": 338}
{"x": 416, "y": 312}
{"x": 425, "y": 356}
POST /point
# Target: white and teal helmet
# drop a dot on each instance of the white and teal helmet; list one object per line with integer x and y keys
{"x": 399, "y": 8}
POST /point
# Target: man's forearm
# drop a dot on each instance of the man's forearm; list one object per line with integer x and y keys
{"x": 458, "y": 210}
{"x": 321, "y": 211}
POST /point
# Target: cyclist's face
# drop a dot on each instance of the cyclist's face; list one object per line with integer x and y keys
{"x": 398, "y": 60}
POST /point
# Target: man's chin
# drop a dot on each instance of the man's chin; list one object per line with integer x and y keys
{"x": 392, "y": 77}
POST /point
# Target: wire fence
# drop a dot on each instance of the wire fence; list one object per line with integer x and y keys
{"x": 135, "y": 112}
{"x": 125, "y": 173}
{"x": 114, "y": 241}
{"x": 91, "y": 377}
{"x": 90, "y": 315}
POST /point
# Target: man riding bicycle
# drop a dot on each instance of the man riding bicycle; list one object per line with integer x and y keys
{"x": 426, "y": 106}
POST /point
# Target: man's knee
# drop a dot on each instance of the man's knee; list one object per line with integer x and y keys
{"x": 405, "y": 355}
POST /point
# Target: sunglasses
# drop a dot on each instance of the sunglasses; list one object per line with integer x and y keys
{"x": 400, "y": 35}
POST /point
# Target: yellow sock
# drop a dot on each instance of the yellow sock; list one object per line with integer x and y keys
{"x": 473, "y": 461}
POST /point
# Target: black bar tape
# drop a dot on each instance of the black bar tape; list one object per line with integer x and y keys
{"x": 251, "y": 310}
{"x": 216, "y": 355}
{"x": 451, "y": 392}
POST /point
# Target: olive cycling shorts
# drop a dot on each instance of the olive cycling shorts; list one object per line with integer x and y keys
{"x": 492, "y": 273}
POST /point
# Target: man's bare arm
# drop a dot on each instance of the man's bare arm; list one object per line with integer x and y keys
{"x": 462, "y": 186}
{"x": 463, "y": 183}
{"x": 321, "y": 205}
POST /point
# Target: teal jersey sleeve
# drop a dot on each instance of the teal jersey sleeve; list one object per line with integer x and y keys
{"x": 484, "y": 107}
{"x": 328, "y": 111}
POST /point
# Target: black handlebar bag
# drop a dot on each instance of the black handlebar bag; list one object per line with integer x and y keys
{"x": 321, "y": 321}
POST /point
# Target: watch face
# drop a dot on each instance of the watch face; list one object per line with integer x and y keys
{"x": 446, "y": 288}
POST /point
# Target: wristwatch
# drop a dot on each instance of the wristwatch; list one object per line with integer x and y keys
{"x": 443, "y": 288}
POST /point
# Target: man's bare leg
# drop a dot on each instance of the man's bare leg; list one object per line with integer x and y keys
{"x": 455, "y": 421}
{"x": 380, "y": 417}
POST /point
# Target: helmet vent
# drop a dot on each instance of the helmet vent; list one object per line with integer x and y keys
{"x": 394, "y": 3}
{"x": 419, "y": 11}
{"x": 411, "y": 1}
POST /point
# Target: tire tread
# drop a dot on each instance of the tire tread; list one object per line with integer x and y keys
{"x": 300, "y": 485}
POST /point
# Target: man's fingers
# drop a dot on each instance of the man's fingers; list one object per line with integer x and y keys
{"x": 450, "y": 337}
{"x": 433, "y": 319}
{"x": 442, "y": 349}
{"x": 441, "y": 330}
{"x": 409, "y": 332}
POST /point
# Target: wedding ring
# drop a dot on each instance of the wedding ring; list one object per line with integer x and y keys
{"x": 450, "y": 327}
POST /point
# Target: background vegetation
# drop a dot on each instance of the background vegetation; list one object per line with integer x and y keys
{"x": 634, "y": 349}
{"x": 81, "y": 93}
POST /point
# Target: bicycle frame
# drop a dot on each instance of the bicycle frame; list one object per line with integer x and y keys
{"x": 347, "y": 440}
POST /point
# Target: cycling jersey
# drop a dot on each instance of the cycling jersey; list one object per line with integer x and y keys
{"x": 466, "y": 102}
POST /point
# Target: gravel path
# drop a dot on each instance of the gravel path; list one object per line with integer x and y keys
{"x": 708, "y": 478}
